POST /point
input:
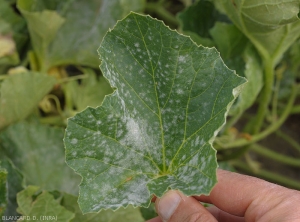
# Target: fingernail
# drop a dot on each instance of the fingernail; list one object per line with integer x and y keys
{"x": 168, "y": 204}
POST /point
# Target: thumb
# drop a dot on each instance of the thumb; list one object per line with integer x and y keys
{"x": 175, "y": 207}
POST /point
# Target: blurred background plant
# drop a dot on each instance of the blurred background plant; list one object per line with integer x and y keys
{"x": 50, "y": 71}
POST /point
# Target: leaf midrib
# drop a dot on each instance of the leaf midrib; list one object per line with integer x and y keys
{"x": 156, "y": 94}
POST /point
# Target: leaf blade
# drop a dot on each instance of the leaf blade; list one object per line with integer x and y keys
{"x": 272, "y": 26}
{"x": 44, "y": 207}
{"x": 147, "y": 133}
{"x": 37, "y": 151}
{"x": 17, "y": 104}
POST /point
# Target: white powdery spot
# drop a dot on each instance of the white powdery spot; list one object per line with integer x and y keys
{"x": 182, "y": 58}
{"x": 74, "y": 141}
{"x": 137, "y": 44}
{"x": 179, "y": 91}
{"x": 134, "y": 132}
{"x": 89, "y": 153}
{"x": 194, "y": 161}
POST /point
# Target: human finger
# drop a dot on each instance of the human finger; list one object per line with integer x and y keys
{"x": 251, "y": 197}
{"x": 223, "y": 216}
{"x": 156, "y": 219}
{"x": 175, "y": 207}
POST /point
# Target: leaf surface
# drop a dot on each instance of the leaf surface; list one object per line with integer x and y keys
{"x": 241, "y": 56}
{"x": 254, "y": 74}
{"x": 129, "y": 214}
{"x": 271, "y": 25}
{"x": 231, "y": 42}
{"x": 37, "y": 150}
{"x": 89, "y": 92}
{"x": 16, "y": 26}
{"x": 3, "y": 190}
{"x": 196, "y": 21}
{"x": 28, "y": 89}
{"x": 41, "y": 206}
{"x": 155, "y": 131}
{"x": 15, "y": 182}
{"x": 81, "y": 24}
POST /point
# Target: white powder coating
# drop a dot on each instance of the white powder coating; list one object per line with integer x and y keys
{"x": 133, "y": 131}
{"x": 180, "y": 92}
{"x": 182, "y": 59}
{"x": 156, "y": 122}
{"x": 74, "y": 141}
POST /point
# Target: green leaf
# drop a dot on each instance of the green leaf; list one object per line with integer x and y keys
{"x": 41, "y": 33}
{"x": 242, "y": 57}
{"x": 150, "y": 212}
{"x": 89, "y": 92}
{"x": 15, "y": 182}
{"x": 155, "y": 131}
{"x": 82, "y": 24}
{"x": 187, "y": 2}
{"x": 8, "y": 53}
{"x": 20, "y": 94}
{"x": 198, "y": 18}
{"x": 129, "y": 214}
{"x": 231, "y": 42}
{"x": 272, "y": 25}
{"x": 225, "y": 165}
{"x": 41, "y": 206}
{"x": 37, "y": 150}
{"x": 294, "y": 57}
{"x": 196, "y": 21}
{"x": 3, "y": 191}
{"x": 9, "y": 15}
{"x": 11, "y": 32}
{"x": 16, "y": 24}
{"x": 254, "y": 73}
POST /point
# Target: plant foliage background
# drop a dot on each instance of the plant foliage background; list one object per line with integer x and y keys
{"x": 49, "y": 70}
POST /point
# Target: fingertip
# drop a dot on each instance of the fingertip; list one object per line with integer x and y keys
{"x": 175, "y": 207}
{"x": 167, "y": 204}
{"x": 156, "y": 219}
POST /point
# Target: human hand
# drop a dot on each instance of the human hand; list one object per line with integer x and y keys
{"x": 236, "y": 198}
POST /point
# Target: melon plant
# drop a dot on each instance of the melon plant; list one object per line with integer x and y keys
{"x": 183, "y": 87}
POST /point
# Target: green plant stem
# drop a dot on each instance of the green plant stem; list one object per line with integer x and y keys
{"x": 288, "y": 139}
{"x": 295, "y": 109}
{"x": 266, "y": 95}
{"x": 275, "y": 96}
{"x": 53, "y": 120}
{"x": 263, "y": 151}
{"x": 158, "y": 8}
{"x": 266, "y": 174}
{"x": 272, "y": 128}
{"x": 72, "y": 78}
{"x": 33, "y": 61}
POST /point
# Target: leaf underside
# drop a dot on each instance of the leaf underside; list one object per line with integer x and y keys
{"x": 271, "y": 25}
{"x": 155, "y": 131}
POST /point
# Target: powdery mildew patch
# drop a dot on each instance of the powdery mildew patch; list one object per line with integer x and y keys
{"x": 155, "y": 131}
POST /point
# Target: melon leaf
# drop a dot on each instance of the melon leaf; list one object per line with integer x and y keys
{"x": 155, "y": 132}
